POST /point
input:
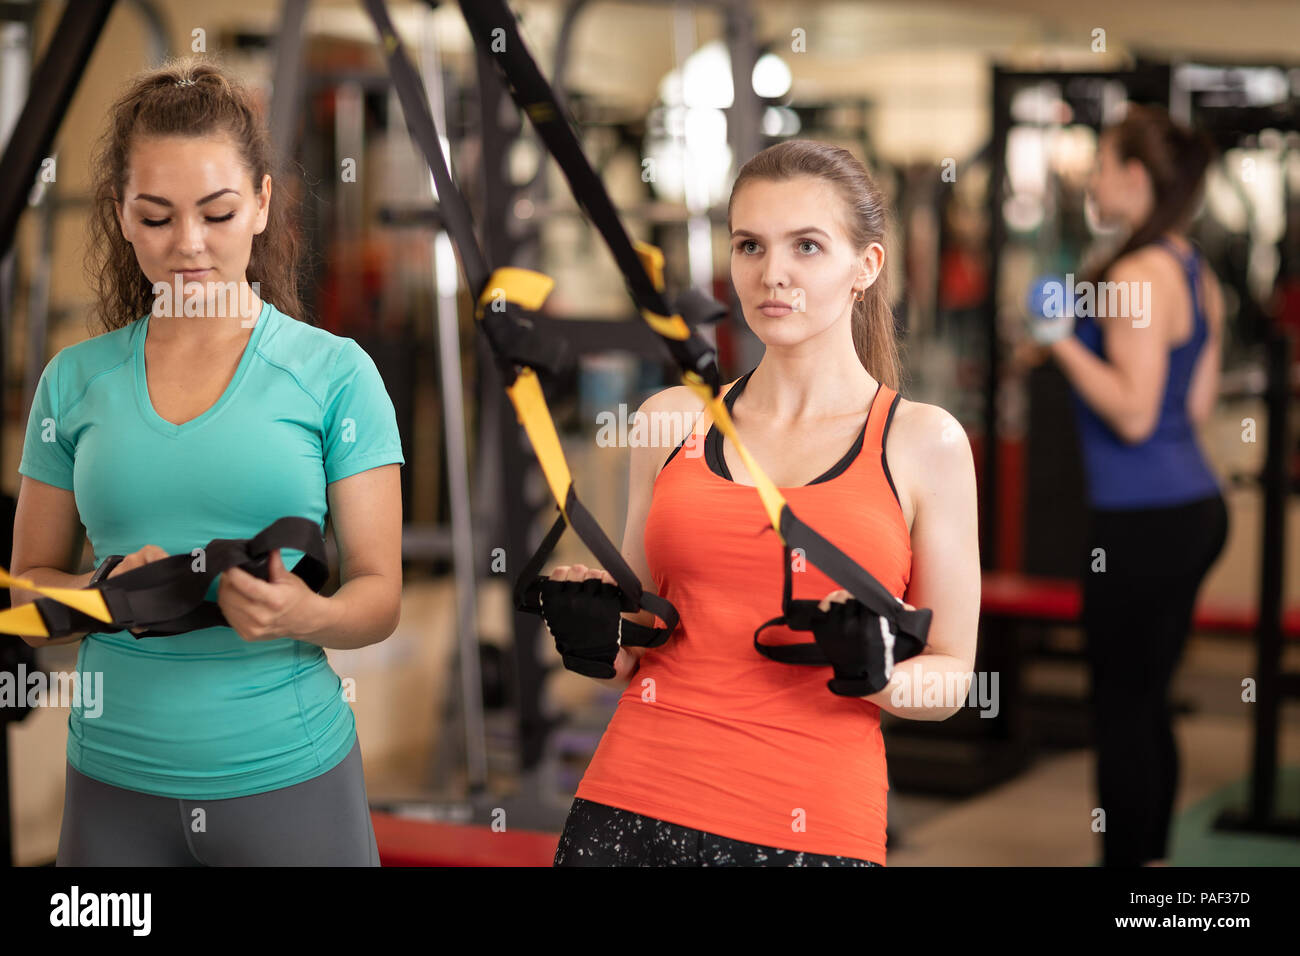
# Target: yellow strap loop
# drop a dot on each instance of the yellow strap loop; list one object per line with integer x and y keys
{"x": 523, "y": 287}
{"x": 25, "y": 621}
{"x": 669, "y": 326}
{"x": 773, "y": 500}
{"x": 652, "y": 260}
{"x": 87, "y": 601}
{"x": 529, "y": 289}
{"x": 530, "y": 407}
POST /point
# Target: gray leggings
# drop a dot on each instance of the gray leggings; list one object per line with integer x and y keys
{"x": 324, "y": 821}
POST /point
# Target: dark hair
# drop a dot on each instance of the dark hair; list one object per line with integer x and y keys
{"x": 867, "y": 219}
{"x": 211, "y": 101}
{"x": 1175, "y": 157}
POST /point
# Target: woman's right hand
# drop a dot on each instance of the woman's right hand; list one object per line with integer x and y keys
{"x": 136, "y": 559}
{"x": 625, "y": 659}
{"x": 147, "y": 554}
{"x": 150, "y": 552}
{"x": 627, "y": 656}
{"x": 579, "y": 572}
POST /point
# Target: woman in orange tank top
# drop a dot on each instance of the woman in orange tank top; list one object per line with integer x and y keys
{"x": 716, "y": 755}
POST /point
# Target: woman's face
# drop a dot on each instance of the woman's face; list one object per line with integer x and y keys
{"x": 1120, "y": 190}
{"x": 788, "y": 247}
{"x": 189, "y": 209}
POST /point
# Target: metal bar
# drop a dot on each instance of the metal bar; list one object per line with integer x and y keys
{"x": 520, "y": 513}
{"x": 447, "y": 283}
{"x": 286, "y": 85}
{"x": 1268, "y": 705}
{"x": 52, "y": 87}
{"x": 1001, "y": 106}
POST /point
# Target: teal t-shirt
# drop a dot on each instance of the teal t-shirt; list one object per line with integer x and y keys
{"x": 206, "y": 714}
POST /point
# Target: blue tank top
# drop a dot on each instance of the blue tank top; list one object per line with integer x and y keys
{"x": 1168, "y": 468}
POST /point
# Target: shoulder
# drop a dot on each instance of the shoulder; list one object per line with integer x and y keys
{"x": 673, "y": 413}
{"x": 928, "y": 453}
{"x": 1157, "y": 265}
{"x": 928, "y": 434}
{"x": 106, "y": 347}
{"x": 289, "y": 332}
{"x": 1143, "y": 261}
{"x": 1151, "y": 264}
{"x": 77, "y": 364}
{"x": 317, "y": 358}
{"x": 676, "y": 398}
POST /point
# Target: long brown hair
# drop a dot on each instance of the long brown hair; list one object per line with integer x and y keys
{"x": 1175, "y": 158}
{"x": 190, "y": 96}
{"x": 867, "y": 219}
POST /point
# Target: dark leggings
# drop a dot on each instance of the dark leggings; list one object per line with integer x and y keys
{"x": 1137, "y": 615}
{"x": 599, "y": 835}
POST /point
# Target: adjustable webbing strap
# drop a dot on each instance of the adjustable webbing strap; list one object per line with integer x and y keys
{"x": 909, "y": 627}
{"x": 165, "y": 597}
{"x": 493, "y": 27}
{"x": 517, "y": 350}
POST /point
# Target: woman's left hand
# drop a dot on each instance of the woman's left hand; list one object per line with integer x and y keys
{"x": 267, "y": 610}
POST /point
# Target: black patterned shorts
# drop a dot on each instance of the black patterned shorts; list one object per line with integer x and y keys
{"x": 599, "y": 835}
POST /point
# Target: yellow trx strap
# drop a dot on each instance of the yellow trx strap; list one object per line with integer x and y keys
{"x": 652, "y": 258}
{"x": 27, "y": 621}
{"x": 529, "y": 290}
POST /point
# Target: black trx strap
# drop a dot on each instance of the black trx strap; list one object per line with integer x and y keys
{"x": 164, "y": 597}
{"x": 492, "y": 25}
{"x": 909, "y": 628}
{"x": 500, "y": 297}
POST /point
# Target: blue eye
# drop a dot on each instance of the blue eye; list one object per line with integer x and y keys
{"x": 162, "y": 222}
{"x": 745, "y": 242}
{"x": 810, "y": 242}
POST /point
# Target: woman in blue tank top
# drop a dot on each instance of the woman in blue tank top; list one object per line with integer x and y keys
{"x": 1143, "y": 365}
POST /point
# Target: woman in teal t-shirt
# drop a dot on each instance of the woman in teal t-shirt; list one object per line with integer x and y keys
{"x": 196, "y": 415}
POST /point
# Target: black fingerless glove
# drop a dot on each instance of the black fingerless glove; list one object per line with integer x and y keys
{"x": 584, "y": 619}
{"x": 860, "y": 646}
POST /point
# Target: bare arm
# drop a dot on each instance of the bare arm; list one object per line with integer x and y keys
{"x": 940, "y": 471}
{"x": 48, "y": 540}
{"x": 1203, "y": 391}
{"x": 367, "y": 512}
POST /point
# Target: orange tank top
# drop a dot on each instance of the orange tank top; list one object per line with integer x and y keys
{"x": 710, "y": 734}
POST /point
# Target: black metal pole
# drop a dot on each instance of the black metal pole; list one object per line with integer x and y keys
{"x": 52, "y": 87}
{"x": 1276, "y": 479}
{"x": 286, "y": 85}
{"x": 993, "y": 366}
{"x": 498, "y": 194}
{"x": 1272, "y": 685}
